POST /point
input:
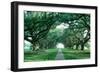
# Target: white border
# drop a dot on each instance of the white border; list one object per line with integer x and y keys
{"x": 22, "y": 64}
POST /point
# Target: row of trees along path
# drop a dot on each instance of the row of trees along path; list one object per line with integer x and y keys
{"x": 40, "y": 30}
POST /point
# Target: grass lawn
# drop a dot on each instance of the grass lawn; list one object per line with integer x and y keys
{"x": 49, "y": 54}
{"x": 75, "y": 54}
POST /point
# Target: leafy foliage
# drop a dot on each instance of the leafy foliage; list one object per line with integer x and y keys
{"x": 40, "y": 29}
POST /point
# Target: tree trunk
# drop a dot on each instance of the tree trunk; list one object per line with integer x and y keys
{"x": 82, "y": 46}
{"x": 33, "y": 47}
{"x": 83, "y": 43}
{"x": 77, "y": 46}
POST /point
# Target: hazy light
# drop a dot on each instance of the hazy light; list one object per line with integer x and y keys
{"x": 85, "y": 33}
{"x": 60, "y": 45}
{"x": 30, "y": 38}
{"x": 27, "y": 45}
{"x": 62, "y": 26}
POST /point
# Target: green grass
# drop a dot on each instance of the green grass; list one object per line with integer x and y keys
{"x": 49, "y": 54}
{"x": 75, "y": 54}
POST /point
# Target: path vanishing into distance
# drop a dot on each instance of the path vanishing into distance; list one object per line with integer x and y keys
{"x": 59, "y": 55}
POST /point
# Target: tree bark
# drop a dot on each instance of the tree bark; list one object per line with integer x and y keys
{"x": 77, "y": 46}
{"x": 82, "y": 46}
{"x": 33, "y": 47}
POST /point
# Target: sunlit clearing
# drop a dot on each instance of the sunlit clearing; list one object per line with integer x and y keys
{"x": 60, "y": 45}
